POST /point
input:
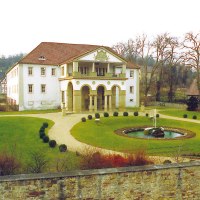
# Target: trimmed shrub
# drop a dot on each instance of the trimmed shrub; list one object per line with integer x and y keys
{"x": 185, "y": 116}
{"x": 41, "y": 134}
{"x": 89, "y": 117}
{"x": 136, "y": 113}
{"x": 194, "y": 117}
{"x": 157, "y": 115}
{"x": 45, "y": 125}
{"x": 83, "y": 119}
{"x": 125, "y": 114}
{"x": 167, "y": 162}
{"x": 106, "y": 114}
{"x": 52, "y": 143}
{"x": 115, "y": 114}
{"x": 192, "y": 103}
{"x": 45, "y": 139}
{"x": 147, "y": 114}
{"x": 42, "y": 129}
{"x": 63, "y": 148}
{"x": 97, "y": 115}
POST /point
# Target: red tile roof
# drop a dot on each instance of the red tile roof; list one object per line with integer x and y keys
{"x": 51, "y": 53}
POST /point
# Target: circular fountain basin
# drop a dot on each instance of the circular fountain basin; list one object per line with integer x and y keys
{"x": 140, "y": 134}
{"x": 170, "y": 133}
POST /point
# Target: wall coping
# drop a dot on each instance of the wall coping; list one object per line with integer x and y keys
{"x": 23, "y": 177}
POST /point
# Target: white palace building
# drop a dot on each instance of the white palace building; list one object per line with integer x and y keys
{"x": 80, "y": 77}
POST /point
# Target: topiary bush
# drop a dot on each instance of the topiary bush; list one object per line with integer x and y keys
{"x": 62, "y": 148}
{"x": 185, "y": 116}
{"x": 106, "y": 114}
{"x": 147, "y": 114}
{"x": 136, "y": 113}
{"x": 115, "y": 114}
{"x": 194, "y": 117}
{"x": 45, "y": 125}
{"x": 42, "y": 129}
{"x": 125, "y": 114}
{"x": 97, "y": 115}
{"x": 52, "y": 143}
{"x": 41, "y": 134}
{"x": 89, "y": 117}
{"x": 83, "y": 119}
{"x": 157, "y": 115}
{"x": 45, "y": 139}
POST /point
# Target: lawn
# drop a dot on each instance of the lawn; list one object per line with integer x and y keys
{"x": 102, "y": 135}
{"x": 20, "y": 136}
{"x": 29, "y": 112}
{"x": 179, "y": 112}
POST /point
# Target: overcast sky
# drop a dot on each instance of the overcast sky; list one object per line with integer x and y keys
{"x": 26, "y": 23}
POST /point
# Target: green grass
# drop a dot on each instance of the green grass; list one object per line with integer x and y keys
{"x": 102, "y": 135}
{"x": 179, "y": 112}
{"x": 29, "y": 112}
{"x": 20, "y": 136}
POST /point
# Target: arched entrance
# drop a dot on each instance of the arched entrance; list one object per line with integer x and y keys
{"x": 70, "y": 97}
{"x": 100, "y": 98}
{"x": 85, "y": 98}
{"x": 115, "y": 96}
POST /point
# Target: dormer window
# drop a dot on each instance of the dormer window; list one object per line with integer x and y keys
{"x": 41, "y": 58}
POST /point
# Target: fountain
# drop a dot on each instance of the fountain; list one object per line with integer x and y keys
{"x": 157, "y": 132}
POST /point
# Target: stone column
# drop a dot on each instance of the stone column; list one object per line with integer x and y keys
{"x": 77, "y": 101}
{"x": 108, "y": 68}
{"x": 105, "y": 102}
{"x": 90, "y": 106}
{"x": 93, "y": 67}
{"x": 95, "y": 102}
{"x": 122, "y": 100}
{"x": 110, "y": 102}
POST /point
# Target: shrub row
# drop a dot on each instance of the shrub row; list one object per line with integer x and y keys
{"x": 106, "y": 114}
{"x": 186, "y": 116}
{"x": 52, "y": 143}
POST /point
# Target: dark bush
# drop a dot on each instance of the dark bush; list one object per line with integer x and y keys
{"x": 125, "y": 114}
{"x": 42, "y": 129}
{"x": 167, "y": 162}
{"x": 97, "y": 115}
{"x": 9, "y": 164}
{"x": 89, "y": 117}
{"x": 192, "y": 103}
{"x": 52, "y": 143}
{"x": 83, "y": 119}
{"x": 106, "y": 114}
{"x": 194, "y": 117}
{"x": 147, "y": 114}
{"x": 115, "y": 114}
{"x": 157, "y": 115}
{"x": 63, "y": 148}
{"x": 136, "y": 113}
{"x": 45, "y": 139}
{"x": 41, "y": 134}
{"x": 185, "y": 116}
{"x": 45, "y": 124}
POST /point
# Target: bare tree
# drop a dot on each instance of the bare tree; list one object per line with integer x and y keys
{"x": 191, "y": 52}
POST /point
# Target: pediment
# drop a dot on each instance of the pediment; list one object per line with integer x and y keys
{"x": 101, "y": 55}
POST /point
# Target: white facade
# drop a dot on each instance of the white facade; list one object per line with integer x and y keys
{"x": 19, "y": 81}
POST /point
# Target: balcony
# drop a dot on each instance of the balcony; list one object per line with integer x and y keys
{"x": 95, "y": 75}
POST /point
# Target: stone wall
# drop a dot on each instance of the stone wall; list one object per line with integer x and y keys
{"x": 174, "y": 181}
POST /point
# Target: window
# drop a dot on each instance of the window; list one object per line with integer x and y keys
{"x": 131, "y": 89}
{"x": 43, "y": 88}
{"x": 30, "y": 71}
{"x": 62, "y": 71}
{"x": 43, "y": 71}
{"x": 53, "y": 71}
{"x": 83, "y": 70}
{"x": 131, "y": 73}
{"x": 30, "y": 88}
